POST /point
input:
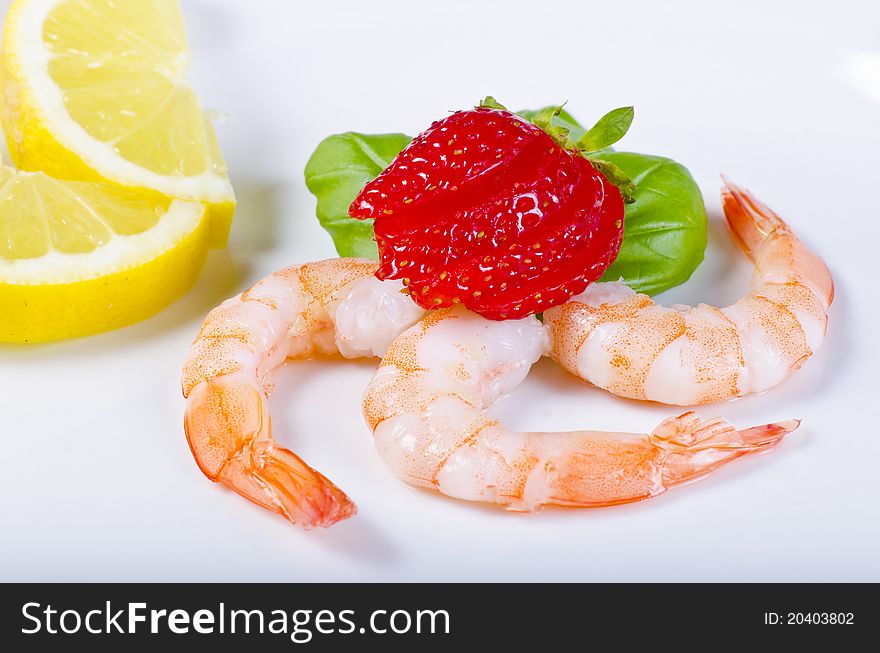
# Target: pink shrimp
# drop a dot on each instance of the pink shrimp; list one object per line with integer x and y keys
{"x": 426, "y": 407}
{"x": 329, "y": 307}
{"x": 625, "y": 343}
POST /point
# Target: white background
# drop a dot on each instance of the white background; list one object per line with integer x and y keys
{"x": 97, "y": 482}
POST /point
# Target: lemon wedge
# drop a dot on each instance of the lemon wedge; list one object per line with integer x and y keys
{"x": 78, "y": 258}
{"x": 96, "y": 90}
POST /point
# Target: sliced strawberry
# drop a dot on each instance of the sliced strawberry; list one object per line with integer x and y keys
{"x": 486, "y": 209}
{"x": 452, "y": 153}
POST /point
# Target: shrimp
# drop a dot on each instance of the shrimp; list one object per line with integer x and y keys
{"x": 625, "y": 343}
{"x": 426, "y": 408}
{"x": 324, "y": 308}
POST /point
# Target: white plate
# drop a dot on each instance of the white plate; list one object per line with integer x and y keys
{"x": 98, "y": 482}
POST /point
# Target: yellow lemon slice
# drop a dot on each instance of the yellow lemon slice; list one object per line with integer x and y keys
{"x": 78, "y": 258}
{"x": 96, "y": 90}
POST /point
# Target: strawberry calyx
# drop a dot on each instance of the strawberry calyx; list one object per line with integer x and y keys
{"x": 606, "y": 132}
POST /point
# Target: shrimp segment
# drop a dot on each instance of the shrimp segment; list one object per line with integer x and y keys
{"x": 625, "y": 343}
{"x": 329, "y": 307}
{"x": 426, "y": 407}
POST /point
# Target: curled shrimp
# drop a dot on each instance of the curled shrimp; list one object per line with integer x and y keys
{"x": 426, "y": 407}
{"x": 625, "y": 343}
{"x": 324, "y": 308}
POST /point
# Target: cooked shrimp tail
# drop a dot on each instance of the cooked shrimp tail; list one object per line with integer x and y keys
{"x": 771, "y": 243}
{"x": 694, "y": 447}
{"x": 229, "y": 432}
{"x": 750, "y": 220}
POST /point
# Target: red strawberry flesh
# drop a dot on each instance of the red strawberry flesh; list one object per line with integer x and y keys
{"x": 487, "y": 210}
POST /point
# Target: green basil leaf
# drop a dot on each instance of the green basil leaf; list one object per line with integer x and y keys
{"x": 337, "y": 171}
{"x": 664, "y": 229}
{"x": 610, "y": 129}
